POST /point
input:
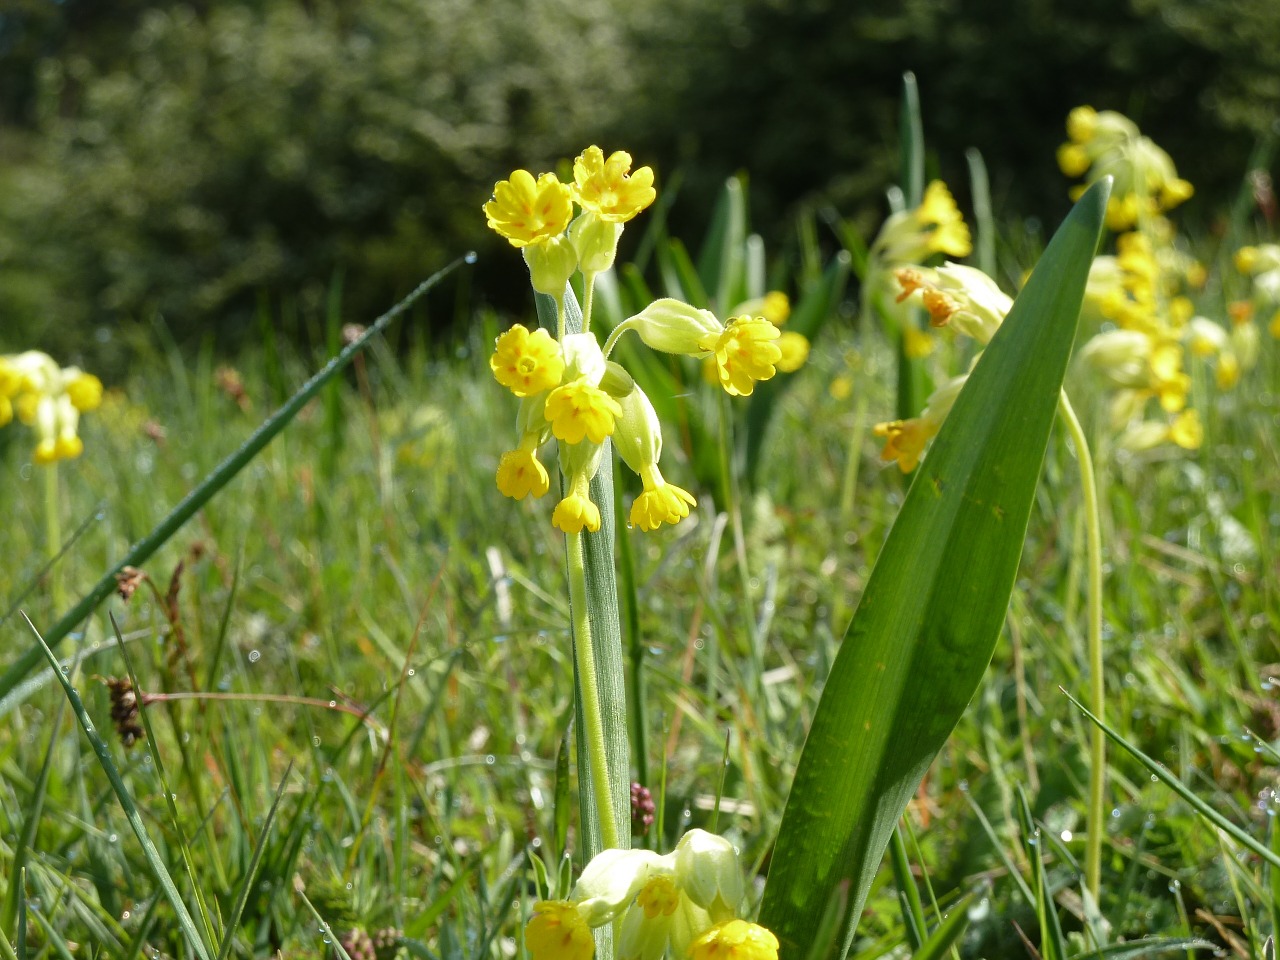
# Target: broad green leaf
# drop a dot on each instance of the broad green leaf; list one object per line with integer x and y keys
{"x": 722, "y": 259}
{"x": 931, "y": 612}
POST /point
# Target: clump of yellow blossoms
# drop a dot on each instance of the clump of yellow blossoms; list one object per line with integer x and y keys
{"x": 1105, "y": 143}
{"x": 909, "y": 238}
{"x": 1261, "y": 264}
{"x": 686, "y": 901}
{"x": 568, "y": 387}
{"x": 49, "y": 399}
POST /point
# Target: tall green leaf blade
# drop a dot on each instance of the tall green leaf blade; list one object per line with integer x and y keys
{"x": 929, "y": 618}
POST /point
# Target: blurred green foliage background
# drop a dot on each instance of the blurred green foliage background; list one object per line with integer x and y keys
{"x": 197, "y": 160}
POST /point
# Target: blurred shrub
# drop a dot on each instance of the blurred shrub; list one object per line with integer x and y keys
{"x": 261, "y": 148}
{"x": 252, "y": 149}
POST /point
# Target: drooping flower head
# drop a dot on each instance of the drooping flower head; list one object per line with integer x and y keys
{"x": 528, "y": 211}
{"x": 735, "y": 940}
{"x": 745, "y": 352}
{"x": 49, "y": 399}
{"x": 607, "y": 188}
{"x": 558, "y": 932}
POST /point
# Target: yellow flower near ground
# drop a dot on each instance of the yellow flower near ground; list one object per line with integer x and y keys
{"x": 528, "y": 211}
{"x": 744, "y": 352}
{"x": 1187, "y": 431}
{"x": 558, "y": 932}
{"x": 607, "y": 188}
{"x": 905, "y": 441}
{"x": 735, "y": 940}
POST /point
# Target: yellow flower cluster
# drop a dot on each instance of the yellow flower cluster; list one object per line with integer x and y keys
{"x": 686, "y": 900}
{"x": 568, "y": 387}
{"x": 49, "y": 399}
{"x": 1106, "y": 143}
{"x": 908, "y": 238}
{"x": 1261, "y": 265}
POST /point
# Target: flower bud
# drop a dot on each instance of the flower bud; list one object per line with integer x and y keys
{"x": 637, "y": 433}
{"x": 596, "y": 242}
{"x": 707, "y": 870}
{"x": 551, "y": 264}
{"x": 672, "y": 326}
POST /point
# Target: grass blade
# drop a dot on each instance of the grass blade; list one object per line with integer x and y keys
{"x": 149, "y": 849}
{"x": 1165, "y": 775}
{"x": 948, "y": 932}
{"x": 223, "y": 474}
{"x": 932, "y": 610}
{"x": 251, "y": 875}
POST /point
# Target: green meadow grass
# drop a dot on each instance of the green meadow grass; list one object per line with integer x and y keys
{"x": 380, "y": 638}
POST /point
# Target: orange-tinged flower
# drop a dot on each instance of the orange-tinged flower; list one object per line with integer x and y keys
{"x": 735, "y": 940}
{"x": 905, "y": 441}
{"x": 795, "y": 351}
{"x": 527, "y": 363}
{"x": 607, "y": 188}
{"x": 557, "y": 931}
{"x": 744, "y": 352}
{"x": 528, "y": 211}
{"x": 579, "y": 410}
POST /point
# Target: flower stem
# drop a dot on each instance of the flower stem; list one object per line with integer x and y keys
{"x": 593, "y": 719}
{"x": 53, "y": 532}
{"x": 1096, "y": 822}
{"x": 588, "y": 297}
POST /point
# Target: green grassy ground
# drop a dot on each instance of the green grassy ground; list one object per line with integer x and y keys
{"x": 362, "y": 609}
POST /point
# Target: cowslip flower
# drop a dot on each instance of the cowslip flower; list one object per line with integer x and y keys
{"x": 673, "y": 901}
{"x": 744, "y": 353}
{"x": 608, "y": 188}
{"x": 905, "y": 440}
{"x": 912, "y": 236}
{"x": 1106, "y": 143}
{"x": 50, "y": 400}
{"x": 735, "y": 940}
{"x": 961, "y": 297}
{"x": 527, "y": 363}
{"x": 528, "y": 211}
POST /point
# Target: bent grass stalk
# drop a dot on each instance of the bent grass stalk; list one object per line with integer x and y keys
{"x": 1097, "y": 688}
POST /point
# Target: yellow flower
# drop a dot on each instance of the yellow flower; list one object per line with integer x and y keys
{"x": 744, "y": 352}
{"x": 735, "y": 940}
{"x": 904, "y": 441}
{"x": 795, "y": 351}
{"x": 661, "y": 502}
{"x": 1082, "y": 123}
{"x": 938, "y": 206}
{"x": 6, "y": 410}
{"x": 841, "y": 388}
{"x": 578, "y": 410}
{"x": 520, "y": 474}
{"x": 916, "y": 343}
{"x": 605, "y": 188}
{"x": 1186, "y": 430}
{"x": 527, "y": 363}
{"x": 576, "y": 511}
{"x": 1274, "y": 326}
{"x": 952, "y": 239}
{"x": 1073, "y": 160}
{"x": 558, "y": 932}
{"x": 526, "y": 211}
{"x": 84, "y": 389}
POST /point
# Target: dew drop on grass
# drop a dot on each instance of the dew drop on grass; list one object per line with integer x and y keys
{"x": 470, "y": 257}
{"x": 254, "y": 656}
